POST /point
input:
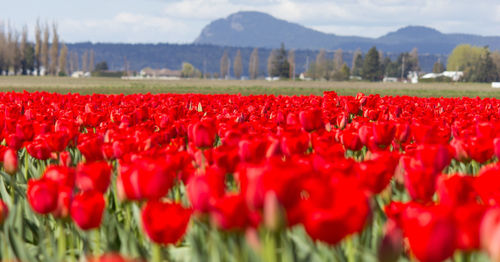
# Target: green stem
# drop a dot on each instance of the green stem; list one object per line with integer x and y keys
{"x": 61, "y": 243}
{"x": 156, "y": 253}
{"x": 97, "y": 242}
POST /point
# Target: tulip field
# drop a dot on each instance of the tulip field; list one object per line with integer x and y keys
{"x": 192, "y": 177}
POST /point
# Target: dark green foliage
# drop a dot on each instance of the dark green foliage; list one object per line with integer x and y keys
{"x": 101, "y": 66}
{"x": 372, "y": 69}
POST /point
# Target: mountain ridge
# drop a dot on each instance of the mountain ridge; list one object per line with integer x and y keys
{"x": 257, "y": 29}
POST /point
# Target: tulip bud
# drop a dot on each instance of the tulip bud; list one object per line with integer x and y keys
{"x": 392, "y": 243}
{"x": 4, "y": 212}
{"x": 272, "y": 212}
{"x": 10, "y": 161}
{"x": 64, "y": 158}
{"x": 490, "y": 233}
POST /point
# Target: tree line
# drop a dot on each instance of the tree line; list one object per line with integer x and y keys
{"x": 479, "y": 64}
{"x": 46, "y": 55}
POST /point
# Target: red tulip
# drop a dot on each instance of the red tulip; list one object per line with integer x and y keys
{"x": 487, "y": 184}
{"x": 203, "y": 134}
{"x": 468, "y": 219}
{"x": 383, "y": 133}
{"x": 456, "y": 190}
{"x": 4, "y": 212}
{"x": 165, "y": 223}
{"x": 10, "y": 161}
{"x": 232, "y": 213}
{"x": 64, "y": 197}
{"x": 42, "y": 195}
{"x": 431, "y": 233}
{"x": 311, "y": 119}
{"x": 490, "y": 232}
{"x": 420, "y": 180}
{"x": 93, "y": 176}
{"x": 203, "y": 190}
{"x": 144, "y": 179}
{"x": 87, "y": 209}
{"x": 39, "y": 149}
{"x": 61, "y": 175}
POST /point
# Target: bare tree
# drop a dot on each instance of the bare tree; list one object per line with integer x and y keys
{"x": 73, "y": 62}
{"x": 85, "y": 60}
{"x": 414, "y": 59}
{"x": 291, "y": 61}
{"x": 271, "y": 63}
{"x": 16, "y": 53}
{"x": 23, "y": 48}
{"x": 54, "y": 50}
{"x": 238, "y": 65}
{"x": 3, "y": 49}
{"x": 224, "y": 65}
{"x": 91, "y": 60}
{"x": 321, "y": 65}
{"x": 38, "y": 46}
{"x": 45, "y": 49}
{"x": 253, "y": 67}
{"x": 338, "y": 59}
{"x": 63, "y": 57}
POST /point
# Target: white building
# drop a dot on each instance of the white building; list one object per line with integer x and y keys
{"x": 454, "y": 75}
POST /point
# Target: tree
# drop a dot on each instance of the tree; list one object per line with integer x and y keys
{"x": 495, "y": 56}
{"x": 338, "y": 60}
{"x": 342, "y": 74}
{"x": 281, "y": 63}
{"x": 3, "y": 49}
{"x": 38, "y": 47}
{"x": 464, "y": 56}
{"x": 63, "y": 60}
{"x": 27, "y": 53}
{"x": 438, "y": 67}
{"x": 253, "y": 67}
{"x": 483, "y": 71}
{"x": 101, "y": 66}
{"x": 371, "y": 66}
{"x": 291, "y": 62}
{"x": 85, "y": 61}
{"x": 188, "y": 70}
{"x": 54, "y": 51}
{"x": 321, "y": 69}
{"x": 91, "y": 60}
{"x": 413, "y": 60}
{"x": 357, "y": 63}
{"x": 271, "y": 64}
{"x": 44, "y": 52}
{"x": 16, "y": 54}
{"x": 391, "y": 69}
{"x": 238, "y": 65}
{"x": 224, "y": 65}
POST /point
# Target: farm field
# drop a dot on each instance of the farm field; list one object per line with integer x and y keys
{"x": 117, "y": 86}
{"x": 192, "y": 177}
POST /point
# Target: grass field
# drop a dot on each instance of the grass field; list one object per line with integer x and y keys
{"x": 117, "y": 86}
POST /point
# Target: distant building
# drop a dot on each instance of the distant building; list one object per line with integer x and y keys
{"x": 160, "y": 73}
{"x": 387, "y": 79}
{"x": 454, "y": 75}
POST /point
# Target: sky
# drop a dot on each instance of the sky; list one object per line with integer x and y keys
{"x": 181, "y": 21}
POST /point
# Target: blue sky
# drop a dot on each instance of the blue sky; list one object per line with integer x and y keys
{"x": 180, "y": 21}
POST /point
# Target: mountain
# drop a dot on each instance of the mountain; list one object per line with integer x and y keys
{"x": 256, "y": 29}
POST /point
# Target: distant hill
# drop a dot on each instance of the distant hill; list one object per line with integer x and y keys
{"x": 202, "y": 56}
{"x": 256, "y": 29}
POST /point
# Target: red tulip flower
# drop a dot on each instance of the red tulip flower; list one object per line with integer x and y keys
{"x": 10, "y": 161}
{"x": 42, "y": 195}
{"x": 93, "y": 176}
{"x": 165, "y": 223}
{"x": 87, "y": 209}
{"x": 4, "y": 212}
